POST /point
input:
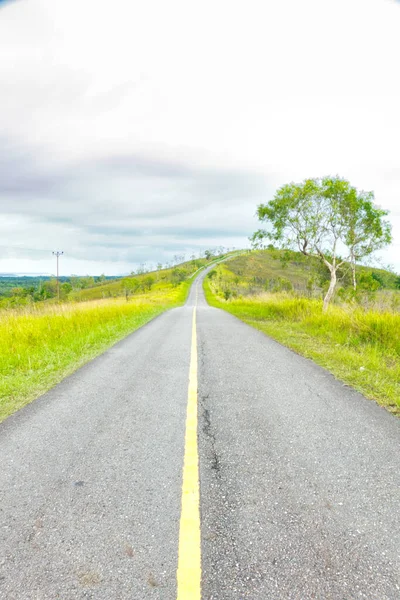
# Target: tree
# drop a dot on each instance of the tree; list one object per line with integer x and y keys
{"x": 369, "y": 282}
{"x": 322, "y": 217}
{"x": 141, "y": 269}
{"x": 367, "y": 229}
{"x": 65, "y": 289}
{"x": 131, "y": 285}
{"x": 19, "y": 292}
{"x": 86, "y": 282}
{"x": 148, "y": 282}
{"x": 49, "y": 288}
{"x": 75, "y": 281}
{"x": 177, "y": 276}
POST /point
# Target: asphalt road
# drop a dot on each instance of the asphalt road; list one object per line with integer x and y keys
{"x": 299, "y": 475}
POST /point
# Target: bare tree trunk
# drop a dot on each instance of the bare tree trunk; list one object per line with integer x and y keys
{"x": 331, "y": 289}
{"x": 353, "y": 269}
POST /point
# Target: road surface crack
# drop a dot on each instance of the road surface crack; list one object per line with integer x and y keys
{"x": 207, "y": 430}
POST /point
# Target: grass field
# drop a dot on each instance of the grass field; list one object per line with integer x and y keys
{"x": 360, "y": 347}
{"x": 279, "y": 270}
{"x": 42, "y": 344}
{"x": 119, "y": 287}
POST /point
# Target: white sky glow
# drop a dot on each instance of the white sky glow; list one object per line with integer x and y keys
{"x": 131, "y": 131}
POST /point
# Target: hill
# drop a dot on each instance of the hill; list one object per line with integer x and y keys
{"x": 23, "y": 291}
{"x": 140, "y": 282}
{"x": 274, "y": 270}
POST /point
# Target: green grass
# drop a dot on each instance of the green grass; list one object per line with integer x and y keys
{"x": 117, "y": 288}
{"x": 277, "y": 270}
{"x": 360, "y": 347}
{"x": 161, "y": 278}
{"x": 41, "y": 345}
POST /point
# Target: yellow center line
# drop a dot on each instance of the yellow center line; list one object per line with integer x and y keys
{"x": 189, "y": 553}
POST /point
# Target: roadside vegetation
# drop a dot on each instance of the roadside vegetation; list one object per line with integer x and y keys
{"x": 281, "y": 293}
{"x": 327, "y": 220}
{"x": 25, "y": 291}
{"x": 42, "y": 340}
{"x": 42, "y": 344}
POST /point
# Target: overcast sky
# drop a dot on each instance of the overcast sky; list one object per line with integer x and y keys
{"x": 134, "y": 130}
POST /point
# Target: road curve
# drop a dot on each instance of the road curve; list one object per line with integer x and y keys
{"x": 299, "y": 474}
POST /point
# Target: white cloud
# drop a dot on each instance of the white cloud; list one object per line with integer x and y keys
{"x": 257, "y": 91}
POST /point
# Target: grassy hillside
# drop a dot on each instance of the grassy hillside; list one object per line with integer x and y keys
{"x": 24, "y": 291}
{"x": 137, "y": 284}
{"x": 41, "y": 344}
{"x": 357, "y": 341}
{"x": 283, "y": 270}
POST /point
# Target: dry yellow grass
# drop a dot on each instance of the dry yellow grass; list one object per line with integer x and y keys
{"x": 359, "y": 346}
{"x": 42, "y": 344}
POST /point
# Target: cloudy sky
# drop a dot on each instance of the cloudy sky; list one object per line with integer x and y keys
{"x": 131, "y": 131}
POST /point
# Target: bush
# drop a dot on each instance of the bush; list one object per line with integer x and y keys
{"x": 177, "y": 276}
{"x": 281, "y": 284}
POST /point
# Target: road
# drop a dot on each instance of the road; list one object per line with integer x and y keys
{"x": 299, "y": 474}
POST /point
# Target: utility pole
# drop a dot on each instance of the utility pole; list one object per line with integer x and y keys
{"x": 58, "y": 253}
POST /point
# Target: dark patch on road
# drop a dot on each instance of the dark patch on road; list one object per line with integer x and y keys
{"x": 214, "y": 460}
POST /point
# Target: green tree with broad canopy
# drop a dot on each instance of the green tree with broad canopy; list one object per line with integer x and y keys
{"x": 326, "y": 218}
{"x": 132, "y": 285}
